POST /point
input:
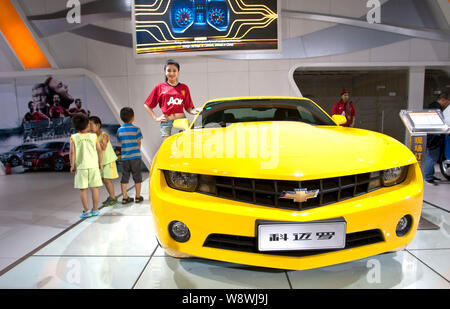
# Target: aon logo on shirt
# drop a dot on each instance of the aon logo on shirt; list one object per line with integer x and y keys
{"x": 175, "y": 101}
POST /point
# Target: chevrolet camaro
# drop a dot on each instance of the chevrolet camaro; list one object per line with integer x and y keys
{"x": 276, "y": 182}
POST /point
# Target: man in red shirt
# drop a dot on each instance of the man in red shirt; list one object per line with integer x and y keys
{"x": 57, "y": 111}
{"x": 345, "y": 107}
{"x": 78, "y": 109}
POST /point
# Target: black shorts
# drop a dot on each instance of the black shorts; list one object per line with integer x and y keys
{"x": 133, "y": 167}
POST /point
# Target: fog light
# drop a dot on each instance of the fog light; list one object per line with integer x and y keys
{"x": 403, "y": 226}
{"x": 179, "y": 231}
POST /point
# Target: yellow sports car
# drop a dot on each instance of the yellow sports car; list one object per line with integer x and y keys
{"x": 276, "y": 182}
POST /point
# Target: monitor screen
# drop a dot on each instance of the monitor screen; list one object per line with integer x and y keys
{"x": 198, "y": 26}
{"x": 426, "y": 119}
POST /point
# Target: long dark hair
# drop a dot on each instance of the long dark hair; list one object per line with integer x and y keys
{"x": 171, "y": 62}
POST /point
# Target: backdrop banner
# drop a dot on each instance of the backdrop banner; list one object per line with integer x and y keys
{"x": 36, "y": 119}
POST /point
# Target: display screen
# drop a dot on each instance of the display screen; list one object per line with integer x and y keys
{"x": 183, "y": 26}
{"x": 426, "y": 119}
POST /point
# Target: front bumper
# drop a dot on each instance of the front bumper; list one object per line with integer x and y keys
{"x": 37, "y": 163}
{"x": 206, "y": 215}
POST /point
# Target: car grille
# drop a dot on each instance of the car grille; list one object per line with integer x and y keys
{"x": 249, "y": 244}
{"x": 268, "y": 192}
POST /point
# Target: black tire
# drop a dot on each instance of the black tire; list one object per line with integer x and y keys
{"x": 14, "y": 161}
{"x": 59, "y": 164}
{"x": 444, "y": 166}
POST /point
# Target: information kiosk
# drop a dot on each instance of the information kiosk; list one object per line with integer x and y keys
{"x": 419, "y": 124}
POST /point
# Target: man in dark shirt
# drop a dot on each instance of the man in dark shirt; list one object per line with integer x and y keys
{"x": 435, "y": 142}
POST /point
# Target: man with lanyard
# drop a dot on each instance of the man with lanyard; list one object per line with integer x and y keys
{"x": 435, "y": 142}
{"x": 345, "y": 107}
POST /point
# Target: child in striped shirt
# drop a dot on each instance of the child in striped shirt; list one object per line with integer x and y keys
{"x": 130, "y": 137}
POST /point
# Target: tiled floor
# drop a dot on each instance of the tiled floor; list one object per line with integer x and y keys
{"x": 34, "y": 211}
{"x": 118, "y": 250}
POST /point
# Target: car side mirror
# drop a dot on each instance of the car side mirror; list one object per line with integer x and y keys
{"x": 182, "y": 124}
{"x": 339, "y": 119}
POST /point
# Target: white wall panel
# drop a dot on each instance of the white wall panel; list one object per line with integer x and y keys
{"x": 225, "y": 65}
{"x": 228, "y": 84}
{"x": 359, "y": 56}
{"x": 399, "y": 51}
{"x": 273, "y": 65}
{"x": 106, "y": 59}
{"x": 272, "y": 83}
{"x": 5, "y": 59}
{"x": 316, "y": 6}
{"x": 299, "y": 27}
{"x": 61, "y": 45}
{"x": 426, "y": 50}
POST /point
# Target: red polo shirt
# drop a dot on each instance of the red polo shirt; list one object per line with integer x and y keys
{"x": 57, "y": 111}
{"x": 171, "y": 99}
{"x": 345, "y": 109}
{"x": 38, "y": 116}
{"x": 75, "y": 110}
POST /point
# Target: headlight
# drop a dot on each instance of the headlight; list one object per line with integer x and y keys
{"x": 46, "y": 155}
{"x": 394, "y": 176}
{"x": 182, "y": 181}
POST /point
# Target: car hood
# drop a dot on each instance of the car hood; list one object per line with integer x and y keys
{"x": 281, "y": 150}
{"x": 39, "y": 151}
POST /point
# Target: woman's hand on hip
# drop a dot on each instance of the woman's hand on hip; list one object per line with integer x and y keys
{"x": 161, "y": 118}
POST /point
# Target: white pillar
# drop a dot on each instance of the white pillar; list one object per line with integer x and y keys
{"x": 416, "y": 90}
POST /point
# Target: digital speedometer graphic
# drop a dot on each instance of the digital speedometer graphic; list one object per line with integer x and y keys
{"x": 184, "y": 17}
{"x": 217, "y": 18}
{"x": 205, "y": 25}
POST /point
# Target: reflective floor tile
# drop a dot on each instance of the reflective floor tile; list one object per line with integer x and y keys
{"x": 433, "y": 239}
{"x": 427, "y": 206}
{"x": 160, "y": 252}
{"x": 74, "y": 273}
{"x": 437, "y": 195}
{"x": 141, "y": 209}
{"x": 393, "y": 270}
{"x": 438, "y": 260}
{"x": 171, "y": 273}
{"x": 106, "y": 235}
{"x": 5, "y": 262}
{"x": 21, "y": 243}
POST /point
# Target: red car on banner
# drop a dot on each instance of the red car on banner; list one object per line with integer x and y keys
{"x": 52, "y": 155}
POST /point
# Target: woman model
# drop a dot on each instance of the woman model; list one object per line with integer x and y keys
{"x": 172, "y": 97}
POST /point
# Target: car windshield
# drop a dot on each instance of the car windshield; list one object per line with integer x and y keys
{"x": 224, "y": 113}
{"x": 53, "y": 145}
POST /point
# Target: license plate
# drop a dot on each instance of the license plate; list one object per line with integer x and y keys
{"x": 301, "y": 236}
{"x": 26, "y": 163}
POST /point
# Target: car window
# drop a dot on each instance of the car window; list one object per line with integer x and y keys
{"x": 224, "y": 113}
{"x": 53, "y": 145}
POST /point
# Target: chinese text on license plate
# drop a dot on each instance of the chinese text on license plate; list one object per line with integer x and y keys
{"x": 301, "y": 236}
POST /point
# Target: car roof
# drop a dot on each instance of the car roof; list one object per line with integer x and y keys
{"x": 256, "y": 98}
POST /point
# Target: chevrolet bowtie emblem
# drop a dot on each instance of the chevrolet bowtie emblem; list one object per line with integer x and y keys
{"x": 299, "y": 195}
